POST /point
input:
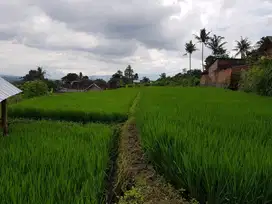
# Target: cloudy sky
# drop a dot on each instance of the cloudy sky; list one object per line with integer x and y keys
{"x": 97, "y": 37}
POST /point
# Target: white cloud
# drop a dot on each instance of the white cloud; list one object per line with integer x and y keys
{"x": 99, "y": 37}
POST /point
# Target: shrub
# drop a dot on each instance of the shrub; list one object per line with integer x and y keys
{"x": 190, "y": 81}
{"x": 264, "y": 85}
{"x": 53, "y": 85}
{"x": 259, "y": 78}
{"x": 250, "y": 79}
{"x": 34, "y": 88}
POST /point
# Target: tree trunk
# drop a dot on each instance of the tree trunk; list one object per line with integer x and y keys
{"x": 202, "y": 57}
{"x": 190, "y": 61}
{"x": 243, "y": 55}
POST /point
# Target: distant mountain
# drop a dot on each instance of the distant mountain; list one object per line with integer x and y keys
{"x": 104, "y": 77}
{"x": 152, "y": 77}
{"x": 11, "y": 78}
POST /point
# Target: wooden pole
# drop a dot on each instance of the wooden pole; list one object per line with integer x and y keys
{"x": 4, "y": 118}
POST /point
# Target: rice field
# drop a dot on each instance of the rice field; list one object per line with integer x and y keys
{"x": 54, "y": 162}
{"x": 105, "y": 106}
{"x": 217, "y": 144}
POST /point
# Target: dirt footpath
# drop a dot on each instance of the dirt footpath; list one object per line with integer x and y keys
{"x": 136, "y": 180}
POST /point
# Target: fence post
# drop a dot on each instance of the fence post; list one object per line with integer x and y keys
{"x": 4, "y": 117}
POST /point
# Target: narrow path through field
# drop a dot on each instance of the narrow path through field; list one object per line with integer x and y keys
{"x": 136, "y": 180}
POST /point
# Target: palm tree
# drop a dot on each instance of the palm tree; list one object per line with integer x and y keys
{"x": 190, "y": 48}
{"x": 203, "y": 39}
{"x": 80, "y": 76}
{"x": 243, "y": 47}
{"x": 216, "y": 44}
{"x": 41, "y": 73}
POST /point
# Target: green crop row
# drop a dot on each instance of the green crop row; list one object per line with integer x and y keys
{"x": 66, "y": 115}
{"x": 54, "y": 162}
{"x": 215, "y": 143}
{"x": 106, "y": 106}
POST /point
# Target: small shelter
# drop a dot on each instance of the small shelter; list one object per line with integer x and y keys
{"x": 7, "y": 90}
{"x": 94, "y": 87}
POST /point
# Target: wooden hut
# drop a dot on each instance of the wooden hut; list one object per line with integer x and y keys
{"x": 7, "y": 90}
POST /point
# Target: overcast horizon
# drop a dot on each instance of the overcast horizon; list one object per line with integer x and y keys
{"x": 100, "y": 37}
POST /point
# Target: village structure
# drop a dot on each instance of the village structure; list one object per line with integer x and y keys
{"x": 226, "y": 73}
{"x": 76, "y": 86}
{"x": 7, "y": 90}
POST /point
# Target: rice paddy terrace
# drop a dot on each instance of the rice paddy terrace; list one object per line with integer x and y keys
{"x": 121, "y": 146}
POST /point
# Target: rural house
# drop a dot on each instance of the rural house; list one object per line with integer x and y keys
{"x": 224, "y": 73}
{"x": 7, "y": 90}
{"x": 76, "y": 88}
{"x": 94, "y": 87}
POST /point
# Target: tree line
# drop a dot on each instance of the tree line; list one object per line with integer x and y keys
{"x": 216, "y": 43}
{"x": 35, "y": 82}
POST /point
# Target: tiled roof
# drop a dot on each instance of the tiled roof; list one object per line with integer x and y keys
{"x": 7, "y": 89}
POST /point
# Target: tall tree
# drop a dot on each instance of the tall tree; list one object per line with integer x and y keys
{"x": 190, "y": 48}
{"x": 129, "y": 73}
{"x": 70, "y": 77}
{"x": 162, "y": 75}
{"x": 136, "y": 77}
{"x": 80, "y": 76}
{"x": 116, "y": 80}
{"x": 41, "y": 73}
{"x": 145, "y": 80}
{"x": 216, "y": 44}
{"x": 119, "y": 72}
{"x": 203, "y": 39}
{"x": 243, "y": 47}
{"x": 32, "y": 75}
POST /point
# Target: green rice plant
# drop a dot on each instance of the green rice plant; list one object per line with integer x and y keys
{"x": 215, "y": 143}
{"x": 54, "y": 162}
{"x": 105, "y": 106}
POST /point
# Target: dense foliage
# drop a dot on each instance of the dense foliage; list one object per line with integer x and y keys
{"x": 215, "y": 143}
{"x": 54, "y": 162}
{"x": 258, "y": 79}
{"x": 122, "y": 79}
{"x": 189, "y": 78}
{"x": 34, "y": 88}
{"x": 34, "y": 75}
{"x": 107, "y": 106}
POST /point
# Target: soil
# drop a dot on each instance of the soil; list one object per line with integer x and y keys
{"x": 136, "y": 180}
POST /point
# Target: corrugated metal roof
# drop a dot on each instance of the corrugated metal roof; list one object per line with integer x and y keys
{"x": 7, "y": 89}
